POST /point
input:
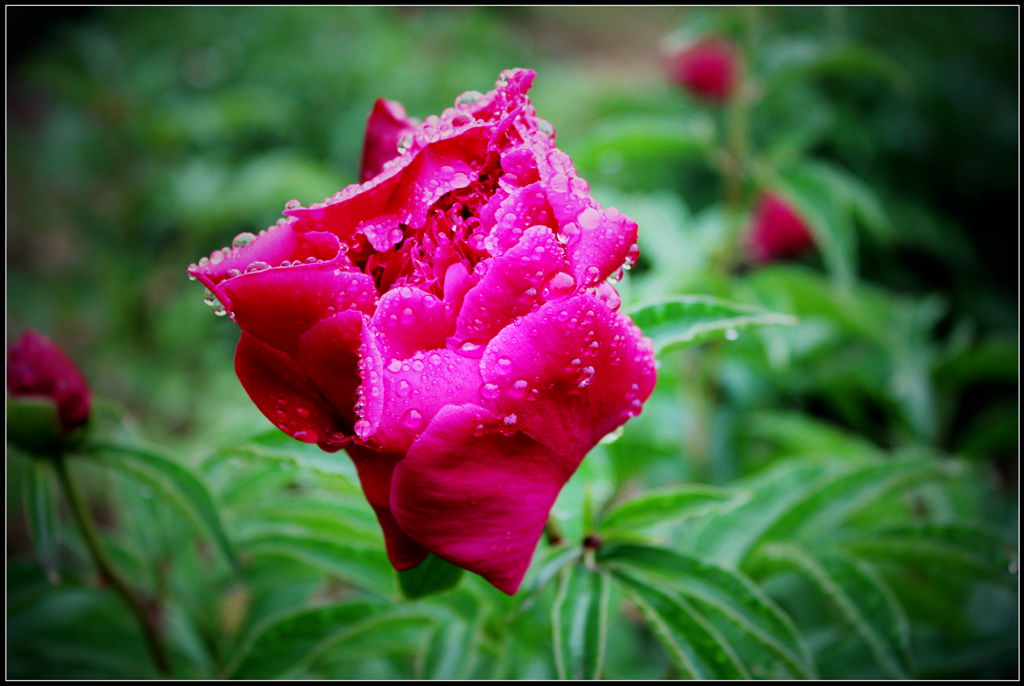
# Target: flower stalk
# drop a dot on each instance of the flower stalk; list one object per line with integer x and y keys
{"x": 147, "y": 613}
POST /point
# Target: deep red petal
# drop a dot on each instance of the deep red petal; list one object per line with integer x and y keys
{"x": 328, "y": 354}
{"x": 375, "y": 470}
{"x": 280, "y": 390}
{"x": 278, "y": 305}
{"x": 384, "y": 128}
{"x": 476, "y": 497}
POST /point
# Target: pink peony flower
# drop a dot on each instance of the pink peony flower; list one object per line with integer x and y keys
{"x": 777, "y": 230}
{"x": 39, "y": 368}
{"x": 449, "y": 323}
{"x": 708, "y": 68}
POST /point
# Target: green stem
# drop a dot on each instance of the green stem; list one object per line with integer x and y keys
{"x": 554, "y": 532}
{"x": 147, "y": 614}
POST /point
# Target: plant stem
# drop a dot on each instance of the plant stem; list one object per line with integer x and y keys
{"x": 147, "y": 613}
{"x": 553, "y": 532}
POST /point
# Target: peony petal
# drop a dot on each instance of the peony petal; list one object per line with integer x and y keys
{"x": 276, "y": 245}
{"x": 570, "y": 372}
{"x": 400, "y": 195}
{"x": 385, "y": 127}
{"x": 278, "y": 305}
{"x": 477, "y": 497}
{"x": 513, "y": 285}
{"x": 601, "y": 246}
{"x": 328, "y": 354}
{"x": 375, "y": 472}
{"x": 280, "y": 390}
{"x": 408, "y": 320}
{"x": 417, "y": 387}
{"x": 524, "y": 208}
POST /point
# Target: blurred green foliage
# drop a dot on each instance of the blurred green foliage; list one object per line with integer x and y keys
{"x": 836, "y": 498}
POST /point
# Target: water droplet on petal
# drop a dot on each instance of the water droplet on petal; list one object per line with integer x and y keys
{"x": 243, "y": 239}
{"x": 404, "y": 143}
{"x": 519, "y": 389}
{"x": 468, "y": 98}
{"x": 362, "y": 428}
{"x": 413, "y": 419}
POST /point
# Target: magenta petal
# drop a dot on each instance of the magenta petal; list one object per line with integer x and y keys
{"x": 524, "y": 208}
{"x": 477, "y": 497}
{"x": 401, "y": 195}
{"x": 513, "y": 285}
{"x": 417, "y": 387}
{"x": 280, "y": 390}
{"x": 602, "y": 245}
{"x": 408, "y": 320}
{"x": 384, "y": 129}
{"x": 279, "y": 305}
{"x": 571, "y": 372}
{"x": 270, "y": 248}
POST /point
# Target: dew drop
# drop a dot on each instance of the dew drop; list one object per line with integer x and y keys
{"x": 243, "y": 239}
{"x": 468, "y": 98}
{"x": 519, "y": 389}
{"x": 256, "y": 266}
{"x": 404, "y": 143}
{"x": 731, "y": 334}
{"x": 413, "y": 419}
{"x": 292, "y": 205}
{"x": 489, "y": 391}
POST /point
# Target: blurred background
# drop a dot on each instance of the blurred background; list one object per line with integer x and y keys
{"x": 140, "y": 139}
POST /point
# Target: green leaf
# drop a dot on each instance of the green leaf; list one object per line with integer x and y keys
{"x": 41, "y": 517}
{"x": 862, "y": 598}
{"x": 662, "y": 506}
{"x": 761, "y": 634}
{"x": 433, "y": 575}
{"x": 942, "y": 549}
{"x": 730, "y": 533}
{"x": 450, "y": 651}
{"x": 285, "y": 643}
{"x": 690, "y": 319}
{"x": 365, "y": 567}
{"x": 831, "y": 501}
{"x": 579, "y": 620}
{"x": 828, "y": 216}
{"x": 797, "y": 433}
{"x": 693, "y": 644}
{"x": 175, "y": 482}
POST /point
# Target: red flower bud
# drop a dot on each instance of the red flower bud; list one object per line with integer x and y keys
{"x": 37, "y": 367}
{"x": 777, "y": 231}
{"x": 708, "y": 68}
